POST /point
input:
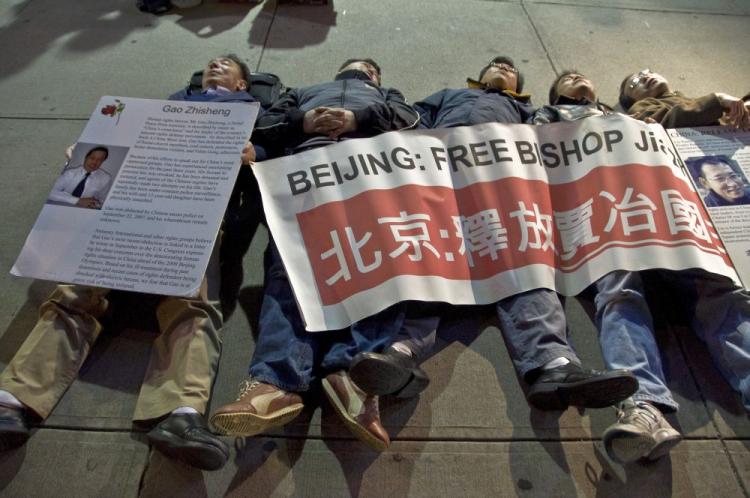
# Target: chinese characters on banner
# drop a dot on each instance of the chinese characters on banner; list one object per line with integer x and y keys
{"x": 475, "y": 214}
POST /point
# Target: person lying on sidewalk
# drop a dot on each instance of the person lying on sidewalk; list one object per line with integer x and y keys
{"x": 288, "y": 360}
{"x": 177, "y": 384}
{"x": 648, "y": 96}
{"x": 533, "y": 323}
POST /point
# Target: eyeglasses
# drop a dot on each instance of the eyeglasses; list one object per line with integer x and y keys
{"x": 503, "y": 65}
{"x": 726, "y": 179}
{"x": 637, "y": 78}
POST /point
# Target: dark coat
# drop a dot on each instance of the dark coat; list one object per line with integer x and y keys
{"x": 469, "y": 106}
{"x": 714, "y": 200}
{"x": 376, "y": 109}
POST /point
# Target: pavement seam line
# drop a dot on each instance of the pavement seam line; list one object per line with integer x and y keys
{"x": 719, "y": 435}
{"x": 571, "y": 439}
{"x": 538, "y": 36}
{"x": 268, "y": 35}
{"x": 45, "y": 118}
{"x": 644, "y": 9}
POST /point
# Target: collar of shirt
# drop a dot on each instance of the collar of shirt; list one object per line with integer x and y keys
{"x": 521, "y": 97}
{"x": 218, "y": 90}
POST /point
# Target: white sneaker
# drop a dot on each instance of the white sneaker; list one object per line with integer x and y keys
{"x": 641, "y": 431}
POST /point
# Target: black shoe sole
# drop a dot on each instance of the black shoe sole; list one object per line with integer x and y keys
{"x": 380, "y": 377}
{"x": 203, "y": 456}
{"x": 11, "y": 440}
{"x": 596, "y": 392}
{"x": 416, "y": 384}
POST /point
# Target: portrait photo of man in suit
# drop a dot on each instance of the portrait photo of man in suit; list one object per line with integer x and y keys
{"x": 85, "y": 185}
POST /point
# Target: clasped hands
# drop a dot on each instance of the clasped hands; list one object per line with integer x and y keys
{"x": 330, "y": 121}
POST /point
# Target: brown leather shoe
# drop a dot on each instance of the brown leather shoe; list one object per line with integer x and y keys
{"x": 258, "y": 408}
{"x": 358, "y": 410}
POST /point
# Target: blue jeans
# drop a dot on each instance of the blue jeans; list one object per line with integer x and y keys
{"x": 722, "y": 321}
{"x": 720, "y": 318}
{"x": 291, "y": 358}
{"x": 626, "y": 334}
{"x": 535, "y": 330}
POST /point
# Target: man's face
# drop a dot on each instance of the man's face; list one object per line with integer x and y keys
{"x": 223, "y": 72}
{"x": 576, "y": 86}
{"x": 364, "y": 67}
{"x": 646, "y": 84}
{"x": 722, "y": 180}
{"x": 94, "y": 160}
{"x": 501, "y": 76}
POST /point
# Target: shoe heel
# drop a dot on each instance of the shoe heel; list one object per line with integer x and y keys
{"x": 547, "y": 398}
{"x": 414, "y": 387}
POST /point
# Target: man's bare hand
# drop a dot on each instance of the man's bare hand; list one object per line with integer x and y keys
{"x": 248, "y": 154}
{"x": 69, "y": 151}
{"x": 735, "y": 111}
{"x": 331, "y": 121}
{"x": 738, "y": 115}
{"x": 310, "y": 125}
{"x": 88, "y": 202}
{"x": 347, "y": 120}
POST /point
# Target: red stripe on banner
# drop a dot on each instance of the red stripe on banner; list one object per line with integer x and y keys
{"x": 361, "y": 242}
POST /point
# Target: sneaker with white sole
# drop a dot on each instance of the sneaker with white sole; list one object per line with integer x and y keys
{"x": 258, "y": 407}
{"x": 641, "y": 431}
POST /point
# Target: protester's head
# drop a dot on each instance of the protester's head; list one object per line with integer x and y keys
{"x": 94, "y": 158}
{"x": 363, "y": 65}
{"x": 718, "y": 176}
{"x": 572, "y": 84}
{"x": 641, "y": 85}
{"x": 502, "y": 74}
{"x": 227, "y": 71}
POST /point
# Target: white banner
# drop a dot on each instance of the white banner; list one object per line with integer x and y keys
{"x": 471, "y": 215}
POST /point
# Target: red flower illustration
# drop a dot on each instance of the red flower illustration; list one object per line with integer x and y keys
{"x": 113, "y": 110}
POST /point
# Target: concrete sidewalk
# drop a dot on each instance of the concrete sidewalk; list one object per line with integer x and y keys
{"x": 472, "y": 432}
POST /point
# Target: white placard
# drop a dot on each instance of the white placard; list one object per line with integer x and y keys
{"x": 148, "y": 214}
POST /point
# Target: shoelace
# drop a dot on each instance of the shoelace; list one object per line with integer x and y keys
{"x": 247, "y": 385}
{"x": 641, "y": 415}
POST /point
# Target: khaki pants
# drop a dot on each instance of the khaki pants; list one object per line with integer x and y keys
{"x": 183, "y": 361}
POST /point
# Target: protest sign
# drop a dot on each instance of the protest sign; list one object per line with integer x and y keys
{"x": 471, "y": 215}
{"x": 718, "y": 160}
{"x": 139, "y": 205}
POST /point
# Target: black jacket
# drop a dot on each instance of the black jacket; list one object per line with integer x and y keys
{"x": 469, "y": 106}
{"x": 713, "y": 199}
{"x": 376, "y": 109}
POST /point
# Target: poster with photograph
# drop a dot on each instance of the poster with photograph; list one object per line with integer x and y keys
{"x": 718, "y": 160}
{"x": 139, "y": 204}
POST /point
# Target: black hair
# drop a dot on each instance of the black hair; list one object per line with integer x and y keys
{"x": 101, "y": 148}
{"x": 553, "y": 94}
{"x": 244, "y": 69}
{"x": 625, "y": 100}
{"x": 501, "y": 59}
{"x": 361, "y": 59}
{"x": 695, "y": 164}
